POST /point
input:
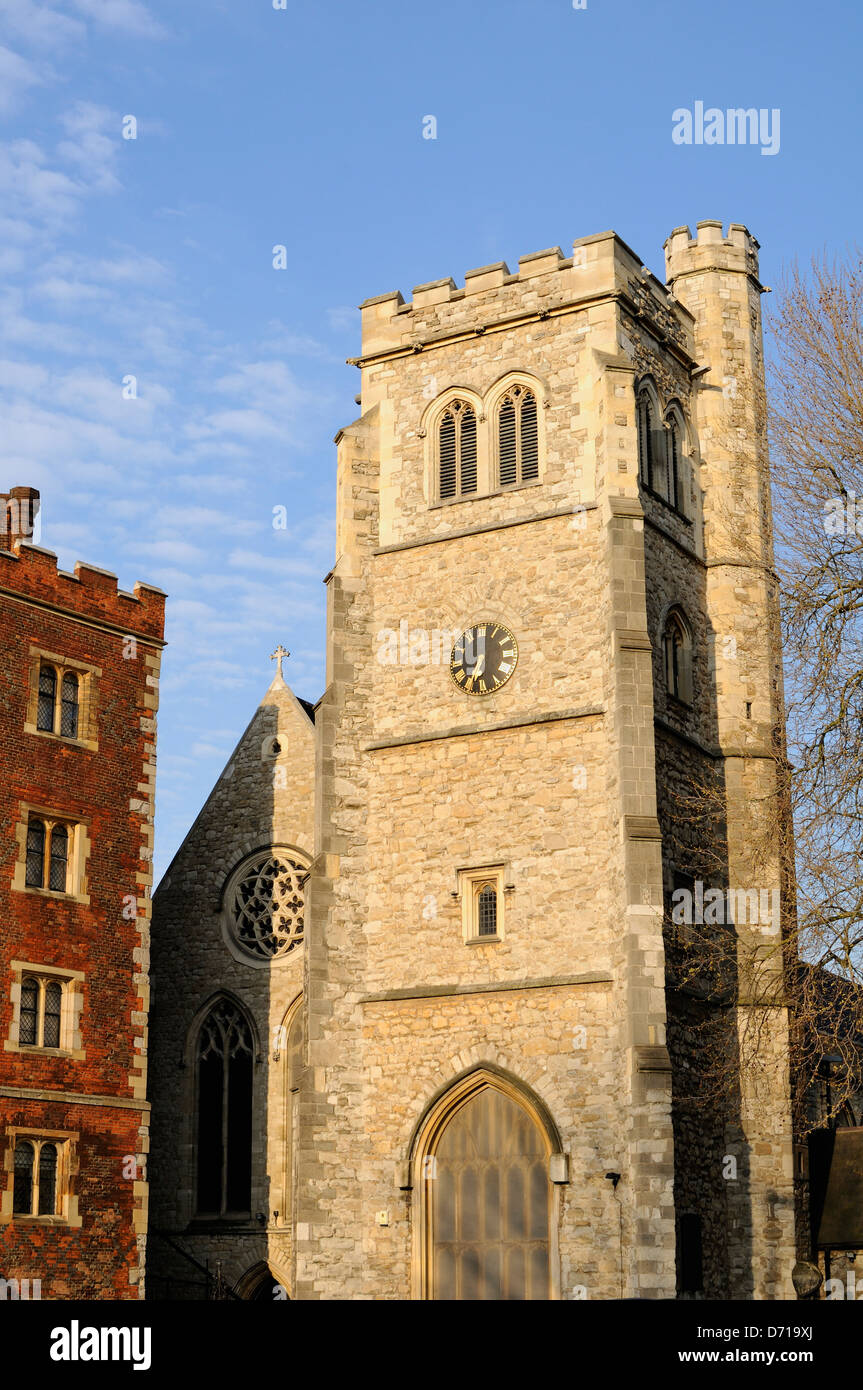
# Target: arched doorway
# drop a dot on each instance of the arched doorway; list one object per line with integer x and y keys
{"x": 260, "y": 1285}
{"x": 486, "y": 1196}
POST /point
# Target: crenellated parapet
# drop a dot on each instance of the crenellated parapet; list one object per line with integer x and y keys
{"x": 31, "y": 572}
{"x": 547, "y": 285}
{"x": 710, "y": 250}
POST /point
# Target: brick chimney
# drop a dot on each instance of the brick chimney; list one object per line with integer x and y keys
{"x": 18, "y": 511}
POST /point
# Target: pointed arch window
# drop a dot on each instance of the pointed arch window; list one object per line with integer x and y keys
{"x": 225, "y": 1060}
{"x": 652, "y": 466}
{"x": 486, "y": 1193}
{"x": 457, "y": 451}
{"x": 517, "y": 437}
{"x": 487, "y": 910}
{"x": 677, "y": 657}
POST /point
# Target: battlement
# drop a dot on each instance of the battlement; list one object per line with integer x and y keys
{"x": 601, "y": 265}
{"x": 710, "y": 249}
{"x": 31, "y": 572}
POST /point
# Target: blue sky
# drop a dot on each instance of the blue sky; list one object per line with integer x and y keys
{"x": 303, "y": 127}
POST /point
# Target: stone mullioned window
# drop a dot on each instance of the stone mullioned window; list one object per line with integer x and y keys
{"x": 62, "y": 699}
{"x": 39, "y": 1166}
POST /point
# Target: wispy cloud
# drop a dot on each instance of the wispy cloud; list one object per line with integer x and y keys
{"x": 17, "y": 76}
{"x": 124, "y": 16}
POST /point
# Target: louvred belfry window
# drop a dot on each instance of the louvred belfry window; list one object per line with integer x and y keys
{"x": 647, "y": 459}
{"x": 457, "y": 451}
{"x": 517, "y": 436}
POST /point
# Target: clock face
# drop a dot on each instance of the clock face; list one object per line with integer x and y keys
{"x": 483, "y": 658}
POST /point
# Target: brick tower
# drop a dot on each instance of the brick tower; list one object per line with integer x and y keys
{"x": 78, "y": 699}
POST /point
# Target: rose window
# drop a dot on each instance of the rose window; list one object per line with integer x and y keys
{"x": 266, "y": 907}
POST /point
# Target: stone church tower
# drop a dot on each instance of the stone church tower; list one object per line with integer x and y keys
{"x": 551, "y": 616}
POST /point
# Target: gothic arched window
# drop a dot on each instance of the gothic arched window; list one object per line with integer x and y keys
{"x": 225, "y": 1062}
{"x": 677, "y": 657}
{"x": 676, "y": 466}
{"x": 457, "y": 451}
{"x": 487, "y": 1198}
{"x": 517, "y": 437}
{"x": 652, "y": 445}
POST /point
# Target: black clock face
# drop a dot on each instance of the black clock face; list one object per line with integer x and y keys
{"x": 483, "y": 658}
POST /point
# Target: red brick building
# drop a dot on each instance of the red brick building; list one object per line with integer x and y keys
{"x": 79, "y": 665}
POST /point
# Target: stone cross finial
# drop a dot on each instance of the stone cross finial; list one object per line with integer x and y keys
{"x": 278, "y": 656}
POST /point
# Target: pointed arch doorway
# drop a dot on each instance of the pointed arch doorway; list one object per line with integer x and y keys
{"x": 261, "y": 1284}
{"x": 487, "y": 1207}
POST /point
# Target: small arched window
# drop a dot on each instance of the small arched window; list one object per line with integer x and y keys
{"x": 677, "y": 657}
{"x": 225, "y": 1061}
{"x": 487, "y": 910}
{"x": 517, "y": 438}
{"x": 457, "y": 451}
{"x": 69, "y": 706}
{"x": 47, "y": 699}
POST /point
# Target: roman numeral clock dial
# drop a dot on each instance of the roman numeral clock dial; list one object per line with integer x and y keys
{"x": 483, "y": 658}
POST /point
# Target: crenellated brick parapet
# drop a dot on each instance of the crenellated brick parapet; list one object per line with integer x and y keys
{"x": 31, "y": 572}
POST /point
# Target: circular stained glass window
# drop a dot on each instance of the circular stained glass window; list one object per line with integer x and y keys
{"x": 266, "y": 906}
